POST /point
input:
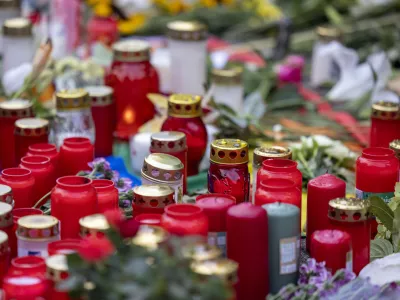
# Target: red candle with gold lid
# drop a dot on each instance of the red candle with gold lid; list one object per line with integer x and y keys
{"x": 6, "y": 195}
{"x": 228, "y": 173}
{"x": 27, "y": 132}
{"x": 280, "y": 168}
{"x": 57, "y": 271}
{"x": 94, "y": 224}
{"x": 107, "y": 194}
{"x": 4, "y": 255}
{"x": 75, "y": 154}
{"x": 152, "y": 198}
{"x": 184, "y": 115}
{"x": 22, "y": 184}
{"x": 385, "y": 123}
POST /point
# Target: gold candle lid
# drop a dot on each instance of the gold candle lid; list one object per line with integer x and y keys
{"x": 187, "y": 31}
{"x": 349, "y": 209}
{"x": 225, "y": 269}
{"x": 201, "y": 251}
{"x": 263, "y": 153}
{"x": 16, "y": 109}
{"x": 153, "y": 195}
{"x": 31, "y": 127}
{"x": 328, "y": 33}
{"x": 227, "y": 77}
{"x": 91, "y": 225}
{"x": 229, "y": 151}
{"x": 72, "y": 100}
{"x": 38, "y": 227}
{"x": 17, "y": 27}
{"x": 57, "y": 267}
{"x": 6, "y": 194}
{"x": 131, "y": 51}
{"x": 6, "y": 218}
{"x": 168, "y": 142}
{"x": 150, "y": 237}
{"x": 184, "y": 106}
{"x": 162, "y": 167}
{"x": 100, "y": 95}
{"x": 385, "y": 111}
{"x": 9, "y": 4}
{"x": 3, "y": 243}
{"x": 395, "y": 146}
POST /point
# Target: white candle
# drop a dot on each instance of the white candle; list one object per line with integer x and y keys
{"x": 9, "y": 9}
{"x": 140, "y": 148}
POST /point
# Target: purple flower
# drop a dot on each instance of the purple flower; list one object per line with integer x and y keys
{"x": 114, "y": 176}
{"x": 100, "y": 164}
{"x": 125, "y": 203}
{"x": 123, "y": 184}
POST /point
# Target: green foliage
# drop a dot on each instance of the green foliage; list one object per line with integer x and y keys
{"x": 382, "y": 211}
{"x": 380, "y": 248}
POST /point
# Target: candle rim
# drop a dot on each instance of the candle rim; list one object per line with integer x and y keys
{"x": 316, "y": 182}
{"x": 143, "y": 217}
{"x": 203, "y": 203}
{"x": 24, "y": 210}
{"x": 175, "y": 210}
{"x": 42, "y": 148}
{"x": 268, "y": 184}
{"x": 377, "y": 153}
{"x": 35, "y": 160}
{"x": 279, "y": 164}
{"x": 76, "y": 141}
{"x": 68, "y": 181}
{"x": 15, "y": 173}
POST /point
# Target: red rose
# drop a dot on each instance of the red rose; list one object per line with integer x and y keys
{"x": 129, "y": 228}
{"x": 94, "y": 249}
{"x": 114, "y": 217}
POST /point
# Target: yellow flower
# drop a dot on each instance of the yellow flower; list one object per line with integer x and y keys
{"x": 174, "y": 6}
{"x": 134, "y": 23}
{"x": 208, "y": 3}
{"x": 268, "y": 10}
{"x": 95, "y": 2}
{"x": 102, "y": 10}
{"x": 228, "y": 2}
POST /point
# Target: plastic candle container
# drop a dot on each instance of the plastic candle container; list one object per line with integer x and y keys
{"x": 385, "y": 124}
{"x": 4, "y": 255}
{"x": 165, "y": 169}
{"x": 215, "y": 207}
{"x": 18, "y": 43}
{"x": 172, "y": 143}
{"x": 278, "y": 190}
{"x": 75, "y": 154}
{"x": 107, "y": 194}
{"x": 6, "y": 195}
{"x": 102, "y": 29}
{"x": 263, "y": 153}
{"x": 29, "y": 266}
{"x": 187, "y": 44}
{"x": 25, "y": 287}
{"x": 72, "y": 198}
{"x": 395, "y": 146}
{"x": 57, "y": 271}
{"x": 351, "y": 215}
{"x": 35, "y": 232}
{"x": 47, "y": 150}
{"x": 150, "y": 237}
{"x": 8, "y": 10}
{"x": 184, "y": 220}
{"x": 149, "y": 219}
{"x": 93, "y": 225}
{"x": 334, "y": 248}
{"x": 228, "y": 172}
{"x": 66, "y": 246}
{"x": 22, "y": 184}
{"x": 280, "y": 168}
{"x": 152, "y": 198}
{"x": 199, "y": 251}
{"x": 11, "y": 111}
{"x": 103, "y": 108}
{"x": 184, "y": 115}
{"x": 132, "y": 77}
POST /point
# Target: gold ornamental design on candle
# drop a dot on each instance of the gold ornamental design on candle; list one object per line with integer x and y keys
{"x": 328, "y": 33}
{"x": 100, "y": 95}
{"x": 385, "y": 111}
{"x": 32, "y": 127}
{"x": 395, "y": 146}
{"x": 18, "y": 27}
{"x": 201, "y": 252}
{"x": 57, "y": 267}
{"x": 6, "y": 218}
{"x": 184, "y": 106}
{"x": 93, "y": 224}
{"x": 72, "y": 100}
{"x": 349, "y": 209}
{"x": 168, "y": 142}
{"x": 162, "y": 167}
{"x": 153, "y": 195}
{"x": 227, "y": 76}
{"x": 3, "y": 243}
{"x": 131, "y": 51}
{"x": 150, "y": 237}
{"x": 262, "y": 153}
{"x": 225, "y": 269}
{"x": 229, "y": 151}
{"x": 38, "y": 227}
{"x": 187, "y": 31}
{"x": 16, "y": 109}
{"x": 6, "y": 194}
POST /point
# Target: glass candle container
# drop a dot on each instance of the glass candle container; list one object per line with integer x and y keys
{"x": 102, "y": 29}
{"x": 9, "y": 9}
{"x": 351, "y": 215}
{"x": 29, "y": 266}
{"x": 25, "y": 287}
{"x": 57, "y": 271}
{"x": 35, "y": 232}
{"x": 6, "y": 195}
{"x": 228, "y": 173}
{"x": 395, "y": 146}
{"x": 184, "y": 220}
{"x": 215, "y": 207}
{"x": 11, "y": 111}
{"x": 22, "y": 184}
{"x": 74, "y": 116}
{"x": 4, "y": 253}
{"x": 103, "y": 108}
{"x": 43, "y": 172}
{"x": 150, "y": 237}
{"x": 280, "y": 168}
{"x": 199, "y": 251}
{"x": 172, "y": 143}
{"x": 184, "y": 115}
{"x": 27, "y": 132}
{"x": 278, "y": 190}
{"x": 132, "y": 77}
{"x": 93, "y": 225}
{"x": 73, "y": 198}
{"x": 149, "y": 219}
{"x": 385, "y": 124}
{"x": 47, "y": 150}
{"x": 187, "y": 44}
{"x": 152, "y": 198}
{"x": 107, "y": 194}
{"x": 165, "y": 169}
{"x": 18, "y": 43}
{"x": 66, "y": 246}
{"x": 263, "y": 153}
{"x": 75, "y": 154}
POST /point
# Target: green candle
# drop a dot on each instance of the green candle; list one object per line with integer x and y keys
{"x": 283, "y": 244}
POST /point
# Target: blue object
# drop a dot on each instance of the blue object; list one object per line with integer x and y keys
{"x": 117, "y": 164}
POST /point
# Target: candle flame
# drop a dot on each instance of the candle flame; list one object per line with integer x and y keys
{"x": 128, "y": 115}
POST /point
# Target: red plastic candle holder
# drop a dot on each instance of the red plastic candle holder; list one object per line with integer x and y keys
{"x": 75, "y": 154}
{"x": 385, "y": 124}
{"x": 22, "y": 184}
{"x": 57, "y": 271}
{"x": 149, "y": 219}
{"x": 28, "y": 266}
{"x": 48, "y": 150}
{"x": 280, "y": 168}
{"x": 25, "y": 287}
{"x": 103, "y": 30}
{"x": 152, "y": 198}
{"x": 278, "y": 190}
{"x": 107, "y": 194}
{"x": 65, "y": 246}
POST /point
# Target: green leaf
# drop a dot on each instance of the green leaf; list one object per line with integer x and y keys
{"x": 382, "y": 211}
{"x": 396, "y": 230}
{"x": 380, "y": 248}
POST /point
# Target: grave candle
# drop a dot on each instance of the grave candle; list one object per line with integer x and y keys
{"x": 57, "y": 270}
{"x": 28, "y": 265}
{"x": 93, "y": 225}
{"x": 25, "y": 287}
{"x": 385, "y": 123}
{"x": 278, "y": 190}
{"x": 66, "y": 246}
{"x": 47, "y": 150}
{"x": 149, "y": 219}
{"x": 22, "y": 184}
{"x": 4, "y": 255}
{"x": 152, "y": 198}
{"x": 280, "y": 168}
{"x": 75, "y": 154}
{"x": 107, "y": 194}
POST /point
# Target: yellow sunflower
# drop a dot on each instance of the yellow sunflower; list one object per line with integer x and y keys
{"x": 208, "y": 3}
{"x": 102, "y": 10}
{"x": 134, "y": 23}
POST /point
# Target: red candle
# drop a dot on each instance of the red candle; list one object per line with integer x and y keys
{"x": 184, "y": 115}
{"x": 152, "y": 198}
{"x": 280, "y": 168}
{"x": 25, "y": 287}
{"x": 10, "y": 111}
{"x": 107, "y": 195}
{"x": 4, "y": 255}
{"x": 6, "y": 195}
{"x": 48, "y": 150}
{"x": 278, "y": 190}
{"x": 93, "y": 225}
{"x": 247, "y": 243}
{"x": 22, "y": 183}
{"x": 334, "y": 248}
{"x": 57, "y": 271}
{"x": 215, "y": 207}
{"x": 320, "y": 191}
{"x": 102, "y": 29}
{"x": 6, "y": 221}
{"x": 385, "y": 124}
{"x": 29, "y": 266}
{"x": 66, "y": 246}
{"x": 351, "y": 215}
{"x": 75, "y": 154}
{"x": 149, "y": 219}
{"x": 72, "y": 198}
{"x": 27, "y": 132}
{"x": 185, "y": 219}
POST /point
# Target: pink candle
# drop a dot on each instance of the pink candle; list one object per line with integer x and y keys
{"x": 320, "y": 191}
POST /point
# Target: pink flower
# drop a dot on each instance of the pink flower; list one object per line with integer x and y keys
{"x": 289, "y": 74}
{"x": 95, "y": 249}
{"x": 297, "y": 61}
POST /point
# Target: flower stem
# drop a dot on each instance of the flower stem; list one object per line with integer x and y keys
{"x": 45, "y": 197}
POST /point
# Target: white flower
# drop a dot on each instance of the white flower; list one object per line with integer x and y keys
{"x": 14, "y": 79}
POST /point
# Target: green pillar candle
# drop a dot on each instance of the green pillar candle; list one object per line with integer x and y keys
{"x": 283, "y": 244}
